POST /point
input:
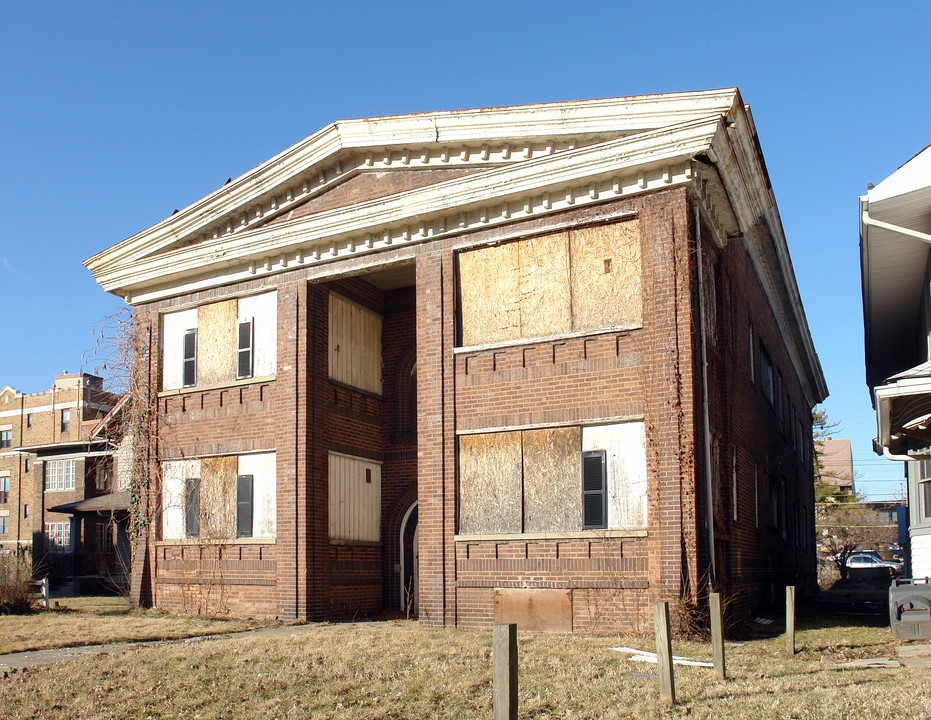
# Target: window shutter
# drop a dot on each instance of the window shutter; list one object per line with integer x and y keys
{"x": 244, "y": 355}
{"x": 594, "y": 489}
{"x": 189, "y": 364}
{"x": 244, "y": 506}
{"x": 192, "y": 507}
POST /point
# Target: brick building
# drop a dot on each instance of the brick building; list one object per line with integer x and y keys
{"x": 48, "y": 459}
{"x": 544, "y": 363}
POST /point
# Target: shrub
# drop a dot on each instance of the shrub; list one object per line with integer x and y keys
{"x": 15, "y": 576}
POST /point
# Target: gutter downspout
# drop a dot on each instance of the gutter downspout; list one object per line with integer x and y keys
{"x": 709, "y": 494}
{"x": 867, "y": 220}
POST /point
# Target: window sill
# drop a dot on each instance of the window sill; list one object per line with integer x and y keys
{"x": 567, "y": 535}
{"x": 216, "y": 386}
{"x": 517, "y": 342}
{"x": 214, "y": 541}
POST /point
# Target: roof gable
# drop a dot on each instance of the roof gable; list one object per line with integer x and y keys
{"x": 357, "y": 188}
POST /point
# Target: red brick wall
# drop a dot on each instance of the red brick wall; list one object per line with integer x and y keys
{"x": 651, "y": 373}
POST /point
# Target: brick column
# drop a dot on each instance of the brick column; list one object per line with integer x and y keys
{"x": 668, "y": 392}
{"x": 435, "y": 438}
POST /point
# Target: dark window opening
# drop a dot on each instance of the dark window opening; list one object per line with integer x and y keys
{"x": 189, "y": 362}
{"x": 244, "y": 506}
{"x": 244, "y": 357}
{"x": 192, "y": 507}
{"x": 594, "y": 489}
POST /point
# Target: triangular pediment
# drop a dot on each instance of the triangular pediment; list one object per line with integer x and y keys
{"x": 452, "y": 142}
{"x": 360, "y": 188}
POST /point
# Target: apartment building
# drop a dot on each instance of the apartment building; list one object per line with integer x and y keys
{"x": 47, "y": 459}
{"x": 542, "y": 364}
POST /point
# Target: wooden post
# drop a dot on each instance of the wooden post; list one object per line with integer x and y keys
{"x": 667, "y": 683}
{"x": 717, "y": 634}
{"x": 504, "y": 647}
{"x": 790, "y": 619}
{"x": 45, "y": 598}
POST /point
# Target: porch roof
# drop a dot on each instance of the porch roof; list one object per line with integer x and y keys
{"x": 111, "y": 502}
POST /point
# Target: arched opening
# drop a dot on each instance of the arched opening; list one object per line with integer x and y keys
{"x": 410, "y": 564}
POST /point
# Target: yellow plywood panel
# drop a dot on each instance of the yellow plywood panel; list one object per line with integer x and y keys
{"x": 544, "y": 285}
{"x": 489, "y": 294}
{"x": 490, "y": 483}
{"x": 552, "y": 479}
{"x": 216, "y": 342}
{"x": 606, "y": 277}
{"x": 218, "y": 497}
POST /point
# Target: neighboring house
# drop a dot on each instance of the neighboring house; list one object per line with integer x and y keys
{"x": 542, "y": 363}
{"x": 895, "y": 233}
{"x": 837, "y": 463}
{"x": 102, "y": 557}
{"x": 48, "y": 458}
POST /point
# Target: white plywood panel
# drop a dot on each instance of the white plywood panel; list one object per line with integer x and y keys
{"x": 625, "y": 447}
{"x": 355, "y": 498}
{"x": 173, "y": 328}
{"x": 354, "y": 345}
{"x": 263, "y": 469}
{"x": 174, "y": 473}
{"x": 263, "y": 309}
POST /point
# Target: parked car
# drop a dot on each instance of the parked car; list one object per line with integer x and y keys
{"x": 872, "y": 559}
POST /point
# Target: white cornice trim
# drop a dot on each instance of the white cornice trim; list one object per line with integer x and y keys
{"x": 549, "y": 184}
{"x": 610, "y": 117}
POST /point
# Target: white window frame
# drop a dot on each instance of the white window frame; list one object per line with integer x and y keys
{"x": 59, "y": 475}
{"x": 58, "y": 537}
{"x": 4, "y": 489}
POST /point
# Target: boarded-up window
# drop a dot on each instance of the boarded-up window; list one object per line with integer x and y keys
{"x": 354, "y": 345}
{"x": 216, "y": 352}
{"x": 583, "y": 279}
{"x": 355, "y": 498}
{"x": 490, "y": 474}
{"x": 219, "y": 498}
{"x": 552, "y": 465}
{"x": 220, "y": 342}
{"x": 625, "y": 455}
{"x": 538, "y": 481}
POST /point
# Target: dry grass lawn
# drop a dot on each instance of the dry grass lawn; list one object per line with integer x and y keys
{"x": 101, "y": 620}
{"x": 403, "y": 670}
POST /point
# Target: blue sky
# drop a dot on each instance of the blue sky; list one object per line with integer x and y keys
{"x": 113, "y": 115}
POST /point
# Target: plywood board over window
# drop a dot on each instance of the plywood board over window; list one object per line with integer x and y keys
{"x": 354, "y": 345}
{"x": 606, "y": 276}
{"x": 584, "y": 279}
{"x": 552, "y": 468}
{"x": 545, "y": 307}
{"x": 625, "y": 450}
{"x": 490, "y": 293}
{"x": 355, "y": 498}
{"x": 218, "y": 497}
{"x": 216, "y": 342}
{"x": 490, "y": 470}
